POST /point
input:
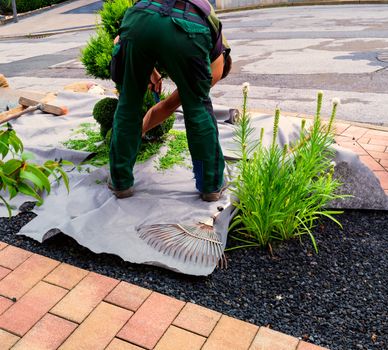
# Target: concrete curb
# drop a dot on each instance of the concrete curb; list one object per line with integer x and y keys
{"x": 48, "y": 33}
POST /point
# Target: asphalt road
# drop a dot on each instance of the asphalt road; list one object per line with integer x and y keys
{"x": 287, "y": 54}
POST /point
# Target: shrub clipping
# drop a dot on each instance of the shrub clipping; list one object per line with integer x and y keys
{"x": 283, "y": 192}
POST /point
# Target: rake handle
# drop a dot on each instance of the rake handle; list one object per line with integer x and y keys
{"x": 17, "y": 115}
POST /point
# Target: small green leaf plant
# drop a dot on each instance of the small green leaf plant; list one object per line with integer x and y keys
{"x": 19, "y": 175}
{"x": 88, "y": 138}
{"x": 283, "y": 192}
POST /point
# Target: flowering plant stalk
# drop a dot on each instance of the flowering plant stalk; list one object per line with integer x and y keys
{"x": 282, "y": 192}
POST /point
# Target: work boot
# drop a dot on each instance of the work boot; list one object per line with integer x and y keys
{"x": 121, "y": 193}
{"x": 211, "y": 197}
{"x": 214, "y": 196}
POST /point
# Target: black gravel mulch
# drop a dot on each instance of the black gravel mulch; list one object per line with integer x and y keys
{"x": 336, "y": 299}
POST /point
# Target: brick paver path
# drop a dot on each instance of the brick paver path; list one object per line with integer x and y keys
{"x": 370, "y": 144}
{"x": 45, "y": 304}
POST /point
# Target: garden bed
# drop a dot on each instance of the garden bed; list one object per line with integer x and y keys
{"x": 337, "y": 298}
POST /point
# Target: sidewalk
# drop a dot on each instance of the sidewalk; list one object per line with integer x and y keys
{"x": 67, "y": 17}
{"x": 45, "y": 304}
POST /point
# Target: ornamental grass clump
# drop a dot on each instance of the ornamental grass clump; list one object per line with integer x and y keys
{"x": 282, "y": 192}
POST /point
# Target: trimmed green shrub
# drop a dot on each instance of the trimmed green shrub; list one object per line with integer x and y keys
{"x": 97, "y": 54}
{"x": 103, "y": 113}
{"x": 283, "y": 192}
{"x": 112, "y": 14}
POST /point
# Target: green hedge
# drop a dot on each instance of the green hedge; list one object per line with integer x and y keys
{"x": 25, "y": 5}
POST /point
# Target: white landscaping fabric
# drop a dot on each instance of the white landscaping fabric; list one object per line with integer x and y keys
{"x": 93, "y": 216}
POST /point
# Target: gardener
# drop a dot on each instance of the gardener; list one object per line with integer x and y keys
{"x": 156, "y": 115}
{"x": 178, "y": 36}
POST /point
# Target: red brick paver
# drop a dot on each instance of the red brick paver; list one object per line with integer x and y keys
{"x": 308, "y": 346}
{"x": 66, "y": 276}
{"x": 26, "y": 275}
{"x": 49, "y": 333}
{"x": 5, "y": 303}
{"x": 118, "y": 344}
{"x": 11, "y": 257}
{"x": 268, "y": 339}
{"x": 383, "y": 177}
{"x": 23, "y": 315}
{"x": 197, "y": 319}
{"x": 128, "y": 296}
{"x": 176, "y": 338}
{"x": 99, "y": 328}
{"x": 148, "y": 324}
{"x": 81, "y": 300}
{"x": 4, "y": 272}
{"x": 7, "y": 340}
{"x": 372, "y": 147}
{"x": 231, "y": 334}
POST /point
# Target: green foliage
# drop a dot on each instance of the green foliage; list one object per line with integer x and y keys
{"x": 19, "y": 175}
{"x": 177, "y": 149}
{"x": 161, "y": 130}
{"x": 112, "y": 14}
{"x": 89, "y": 139}
{"x": 283, "y": 192}
{"x": 103, "y": 113}
{"x": 5, "y": 6}
{"x": 97, "y": 54}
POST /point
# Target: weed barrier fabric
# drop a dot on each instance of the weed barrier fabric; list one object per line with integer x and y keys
{"x": 92, "y": 216}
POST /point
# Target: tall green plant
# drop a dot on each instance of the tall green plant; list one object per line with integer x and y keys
{"x": 97, "y": 54}
{"x": 19, "y": 175}
{"x": 282, "y": 192}
{"x": 112, "y": 14}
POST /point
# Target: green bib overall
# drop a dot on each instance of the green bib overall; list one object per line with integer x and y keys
{"x": 181, "y": 46}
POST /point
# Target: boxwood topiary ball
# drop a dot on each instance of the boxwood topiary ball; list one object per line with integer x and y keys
{"x": 103, "y": 113}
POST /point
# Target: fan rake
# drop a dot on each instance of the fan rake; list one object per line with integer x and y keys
{"x": 197, "y": 243}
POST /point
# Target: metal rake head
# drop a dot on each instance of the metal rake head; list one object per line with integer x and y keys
{"x": 190, "y": 243}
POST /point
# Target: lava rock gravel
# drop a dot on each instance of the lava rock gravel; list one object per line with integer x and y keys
{"x": 337, "y": 298}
